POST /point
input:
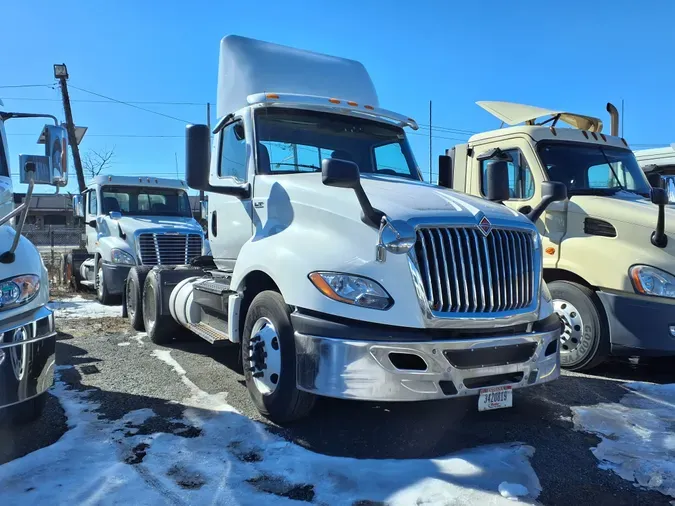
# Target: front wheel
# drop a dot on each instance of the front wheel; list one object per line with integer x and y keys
{"x": 269, "y": 360}
{"x": 101, "y": 289}
{"x": 584, "y": 342}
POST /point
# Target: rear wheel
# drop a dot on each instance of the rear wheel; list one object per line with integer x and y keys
{"x": 584, "y": 342}
{"x": 269, "y": 360}
{"x": 134, "y": 295}
{"x": 161, "y": 328}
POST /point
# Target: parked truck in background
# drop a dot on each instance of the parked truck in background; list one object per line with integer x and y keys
{"x": 336, "y": 267}
{"x": 27, "y": 335}
{"x": 608, "y": 249}
{"x": 128, "y": 220}
{"x": 659, "y": 166}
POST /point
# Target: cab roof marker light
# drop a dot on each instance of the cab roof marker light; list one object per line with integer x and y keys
{"x": 585, "y": 133}
{"x": 595, "y": 136}
{"x": 603, "y": 137}
{"x": 271, "y": 96}
{"x": 333, "y": 100}
{"x": 352, "y": 103}
{"x": 369, "y": 107}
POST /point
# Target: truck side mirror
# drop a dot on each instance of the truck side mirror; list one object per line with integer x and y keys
{"x": 445, "y": 171}
{"x": 497, "y": 172}
{"x": 655, "y": 180}
{"x": 56, "y": 150}
{"x": 660, "y": 198}
{"x": 78, "y": 206}
{"x": 551, "y": 191}
{"x": 345, "y": 174}
{"x": 197, "y": 156}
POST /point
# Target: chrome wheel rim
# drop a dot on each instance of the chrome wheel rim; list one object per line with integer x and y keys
{"x": 17, "y": 354}
{"x": 264, "y": 356}
{"x": 573, "y": 325}
{"x": 99, "y": 282}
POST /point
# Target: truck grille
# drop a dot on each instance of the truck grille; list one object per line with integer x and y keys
{"x": 463, "y": 271}
{"x": 169, "y": 249}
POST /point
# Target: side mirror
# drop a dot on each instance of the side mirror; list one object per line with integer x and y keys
{"x": 340, "y": 173}
{"x": 204, "y": 209}
{"x": 78, "y": 206}
{"x": 497, "y": 181}
{"x": 92, "y": 223}
{"x": 56, "y": 150}
{"x": 660, "y": 198}
{"x": 345, "y": 174}
{"x": 551, "y": 191}
{"x": 445, "y": 167}
{"x": 655, "y": 180}
{"x": 34, "y": 167}
{"x": 197, "y": 156}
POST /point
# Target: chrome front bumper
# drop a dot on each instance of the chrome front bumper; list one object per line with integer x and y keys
{"x": 353, "y": 369}
{"x": 27, "y": 355}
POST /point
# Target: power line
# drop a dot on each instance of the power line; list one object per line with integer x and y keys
{"x": 30, "y": 99}
{"x": 29, "y": 86}
{"x": 130, "y": 104}
{"x": 131, "y": 136}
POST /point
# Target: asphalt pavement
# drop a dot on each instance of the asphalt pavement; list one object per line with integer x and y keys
{"x": 118, "y": 368}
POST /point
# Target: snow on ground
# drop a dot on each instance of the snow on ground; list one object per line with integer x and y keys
{"x": 229, "y": 459}
{"x": 79, "y": 307}
{"x": 638, "y": 441}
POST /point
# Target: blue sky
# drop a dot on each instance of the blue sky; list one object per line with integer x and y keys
{"x": 575, "y": 55}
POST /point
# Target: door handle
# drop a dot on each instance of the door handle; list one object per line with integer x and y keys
{"x": 214, "y": 223}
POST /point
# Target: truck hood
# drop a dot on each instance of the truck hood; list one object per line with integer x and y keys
{"x": 625, "y": 207}
{"x": 133, "y": 224}
{"x": 399, "y": 198}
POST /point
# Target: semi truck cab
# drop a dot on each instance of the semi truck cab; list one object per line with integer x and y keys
{"x": 608, "y": 249}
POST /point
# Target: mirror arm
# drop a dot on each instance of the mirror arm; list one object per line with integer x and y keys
{"x": 538, "y": 210}
{"x": 371, "y": 216}
{"x": 659, "y": 237}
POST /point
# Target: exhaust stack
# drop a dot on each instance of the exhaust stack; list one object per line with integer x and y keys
{"x": 614, "y": 119}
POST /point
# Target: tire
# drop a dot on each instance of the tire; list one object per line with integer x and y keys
{"x": 101, "y": 290}
{"x": 584, "y": 343}
{"x": 134, "y": 295}
{"x": 27, "y": 411}
{"x": 71, "y": 275}
{"x": 161, "y": 329}
{"x": 268, "y": 316}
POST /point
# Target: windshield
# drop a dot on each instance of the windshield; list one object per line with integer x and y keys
{"x": 593, "y": 169}
{"x": 140, "y": 201}
{"x": 292, "y": 141}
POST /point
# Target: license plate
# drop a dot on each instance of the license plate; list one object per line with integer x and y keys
{"x": 495, "y": 398}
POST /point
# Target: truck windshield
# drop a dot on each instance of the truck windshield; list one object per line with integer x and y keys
{"x": 593, "y": 169}
{"x": 292, "y": 141}
{"x": 140, "y": 201}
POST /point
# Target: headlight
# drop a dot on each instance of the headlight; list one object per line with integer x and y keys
{"x": 119, "y": 256}
{"x": 353, "y": 290}
{"x": 18, "y": 290}
{"x": 652, "y": 281}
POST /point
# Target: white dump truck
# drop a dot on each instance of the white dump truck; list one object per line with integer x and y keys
{"x": 336, "y": 267}
{"x": 129, "y": 221}
{"x": 609, "y": 252}
{"x": 27, "y": 335}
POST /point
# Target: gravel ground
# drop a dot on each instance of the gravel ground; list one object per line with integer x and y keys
{"x": 117, "y": 365}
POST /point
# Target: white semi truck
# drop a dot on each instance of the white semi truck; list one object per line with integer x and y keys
{"x": 336, "y": 267}
{"x": 27, "y": 334}
{"x": 129, "y": 221}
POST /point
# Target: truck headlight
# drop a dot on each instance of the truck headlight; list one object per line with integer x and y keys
{"x": 353, "y": 290}
{"x": 652, "y": 281}
{"x": 119, "y": 256}
{"x": 19, "y": 290}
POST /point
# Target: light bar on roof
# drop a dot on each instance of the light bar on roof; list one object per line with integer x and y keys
{"x": 331, "y": 104}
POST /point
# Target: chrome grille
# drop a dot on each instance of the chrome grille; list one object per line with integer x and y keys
{"x": 169, "y": 249}
{"x": 463, "y": 271}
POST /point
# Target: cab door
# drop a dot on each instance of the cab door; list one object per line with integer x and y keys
{"x": 525, "y": 177}
{"x": 90, "y": 215}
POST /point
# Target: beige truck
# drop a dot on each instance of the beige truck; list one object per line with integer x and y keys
{"x": 609, "y": 245}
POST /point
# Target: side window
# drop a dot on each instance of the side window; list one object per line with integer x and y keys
{"x": 389, "y": 159}
{"x": 233, "y": 152}
{"x": 521, "y": 183}
{"x": 93, "y": 209}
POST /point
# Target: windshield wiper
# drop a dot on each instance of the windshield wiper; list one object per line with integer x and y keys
{"x": 297, "y": 165}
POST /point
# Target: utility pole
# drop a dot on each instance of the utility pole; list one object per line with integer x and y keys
{"x": 208, "y": 123}
{"x": 61, "y": 73}
{"x": 430, "y": 132}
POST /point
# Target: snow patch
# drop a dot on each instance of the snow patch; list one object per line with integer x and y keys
{"x": 123, "y": 344}
{"x": 512, "y": 490}
{"x": 138, "y": 338}
{"x": 79, "y": 307}
{"x": 234, "y": 460}
{"x": 637, "y": 439}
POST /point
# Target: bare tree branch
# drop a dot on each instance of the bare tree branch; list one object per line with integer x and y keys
{"x": 94, "y": 162}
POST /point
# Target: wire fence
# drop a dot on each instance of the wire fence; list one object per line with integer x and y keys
{"x": 53, "y": 242}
